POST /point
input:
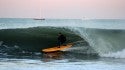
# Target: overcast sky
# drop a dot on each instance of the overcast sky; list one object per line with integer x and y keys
{"x": 62, "y": 9}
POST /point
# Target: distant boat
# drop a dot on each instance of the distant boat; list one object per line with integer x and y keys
{"x": 39, "y": 19}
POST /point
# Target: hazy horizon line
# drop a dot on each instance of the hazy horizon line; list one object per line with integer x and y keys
{"x": 54, "y": 18}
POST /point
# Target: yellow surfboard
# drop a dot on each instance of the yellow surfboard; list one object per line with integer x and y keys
{"x": 54, "y": 49}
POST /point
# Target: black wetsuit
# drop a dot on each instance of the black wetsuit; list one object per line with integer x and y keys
{"x": 61, "y": 39}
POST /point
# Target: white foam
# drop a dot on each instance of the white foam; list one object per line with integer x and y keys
{"x": 76, "y": 48}
{"x": 119, "y": 54}
{"x": 1, "y": 42}
{"x": 16, "y": 64}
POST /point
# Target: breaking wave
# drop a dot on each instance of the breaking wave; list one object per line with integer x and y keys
{"x": 105, "y": 37}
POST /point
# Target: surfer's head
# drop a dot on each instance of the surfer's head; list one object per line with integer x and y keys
{"x": 60, "y": 33}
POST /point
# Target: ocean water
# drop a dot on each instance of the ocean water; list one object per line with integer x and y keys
{"x": 98, "y": 44}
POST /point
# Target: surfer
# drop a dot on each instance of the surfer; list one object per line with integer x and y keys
{"x": 61, "y": 39}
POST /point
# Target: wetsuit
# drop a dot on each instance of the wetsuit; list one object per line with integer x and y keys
{"x": 61, "y": 39}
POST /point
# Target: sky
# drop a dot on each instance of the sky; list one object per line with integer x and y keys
{"x": 93, "y": 9}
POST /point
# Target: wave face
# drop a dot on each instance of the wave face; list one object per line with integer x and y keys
{"x": 103, "y": 36}
{"x": 35, "y": 39}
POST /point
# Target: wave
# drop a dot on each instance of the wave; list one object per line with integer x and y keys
{"x": 107, "y": 43}
{"x": 105, "y": 37}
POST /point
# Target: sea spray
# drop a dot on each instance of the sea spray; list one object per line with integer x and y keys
{"x": 103, "y": 41}
{"x": 118, "y": 54}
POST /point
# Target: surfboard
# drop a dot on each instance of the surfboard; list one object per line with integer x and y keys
{"x": 54, "y": 49}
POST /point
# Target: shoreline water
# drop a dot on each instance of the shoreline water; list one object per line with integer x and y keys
{"x": 62, "y": 63}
